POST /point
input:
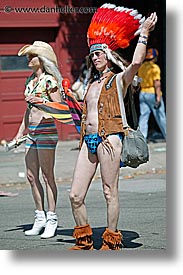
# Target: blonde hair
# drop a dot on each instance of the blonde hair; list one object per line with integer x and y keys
{"x": 52, "y": 69}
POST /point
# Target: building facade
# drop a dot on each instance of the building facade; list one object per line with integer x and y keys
{"x": 61, "y": 25}
{"x": 64, "y": 25}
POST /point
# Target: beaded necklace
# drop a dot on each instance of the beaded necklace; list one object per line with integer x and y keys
{"x": 101, "y": 73}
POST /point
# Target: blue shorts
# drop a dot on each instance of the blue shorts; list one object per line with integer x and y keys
{"x": 93, "y": 141}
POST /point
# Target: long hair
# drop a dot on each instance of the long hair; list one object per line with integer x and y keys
{"x": 52, "y": 69}
{"x": 94, "y": 75}
{"x": 115, "y": 68}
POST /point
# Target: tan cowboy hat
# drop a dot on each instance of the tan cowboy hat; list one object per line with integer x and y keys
{"x": 39, "y": 48}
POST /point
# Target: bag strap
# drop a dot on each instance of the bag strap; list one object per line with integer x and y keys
{"x": 133, "y": 109}
{"x": 122, "y": 107}
{"x": 121, "y": 103}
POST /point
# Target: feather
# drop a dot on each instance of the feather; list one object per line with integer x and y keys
{"x": 114, "y": 60}
{"x": 114, "y": 26}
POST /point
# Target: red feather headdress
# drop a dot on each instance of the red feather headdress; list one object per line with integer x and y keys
{"x": 114, "y": 27}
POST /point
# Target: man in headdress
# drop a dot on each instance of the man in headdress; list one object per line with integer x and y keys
{"x": 102, "y": 128}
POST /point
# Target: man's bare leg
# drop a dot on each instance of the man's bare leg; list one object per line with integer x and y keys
{"x": 85, "y": 168}
{"x": 110, "y": 163}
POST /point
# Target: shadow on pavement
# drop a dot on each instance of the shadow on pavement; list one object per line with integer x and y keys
{"x": 128, "y": 237}
{"x": 22, "y": 227}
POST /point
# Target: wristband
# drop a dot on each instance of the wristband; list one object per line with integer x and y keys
{"x": 143, "y": 42}
{"x": 143, "y": 36}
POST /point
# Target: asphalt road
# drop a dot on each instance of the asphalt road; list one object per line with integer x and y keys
{"x": 142, "y": 194}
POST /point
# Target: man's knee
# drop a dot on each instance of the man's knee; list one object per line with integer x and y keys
{"x": 76, "y": 200}
{"x": 110, "y": 193}
{"x": 107, "y": 193}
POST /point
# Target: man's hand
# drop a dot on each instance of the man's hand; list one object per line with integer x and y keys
{"x": 157, "y": 104}
{"x": 149, "y": 23}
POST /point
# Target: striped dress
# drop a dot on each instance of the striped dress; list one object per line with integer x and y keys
{"x": 42, "y": 135}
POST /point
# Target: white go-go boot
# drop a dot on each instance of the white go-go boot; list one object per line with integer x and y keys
{"x": 51, "y": 225}
{"x": 39, "y": 224}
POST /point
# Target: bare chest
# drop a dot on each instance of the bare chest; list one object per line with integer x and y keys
{"x": 94, "y": 92}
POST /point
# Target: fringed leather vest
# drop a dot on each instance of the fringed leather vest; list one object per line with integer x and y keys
{"x": 109, "y": 115}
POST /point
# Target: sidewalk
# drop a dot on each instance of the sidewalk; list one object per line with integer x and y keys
{"x": 12, "y": 165}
